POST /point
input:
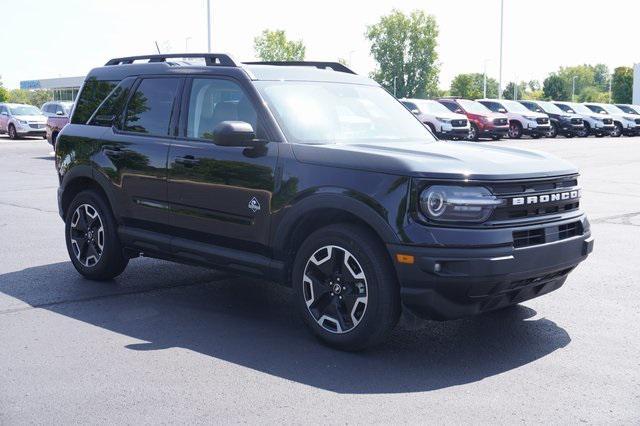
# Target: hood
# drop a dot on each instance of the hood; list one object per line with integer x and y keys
{"x": 446, "y": 160}
{"x": 32, "y": 118}
{"x": 451, "y": 115}
{"x": 536, "y": 114}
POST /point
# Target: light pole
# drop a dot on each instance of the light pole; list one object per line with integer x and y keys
{"x": 395, "y": 78}
{"x": 610, "y": 84}
{"x": 484, "y": 79}
{"x": 501, "y": 32}
{"x": 209, "y": 26}
{"x": 573, "y": 88}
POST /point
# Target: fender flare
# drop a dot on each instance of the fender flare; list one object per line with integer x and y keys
{"x": 334, "y": 201}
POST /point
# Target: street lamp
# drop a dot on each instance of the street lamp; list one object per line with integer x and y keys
{"x": 484, "y": 80}
{"x": 501, "y": 32}
{"x": 209, "y": 26}
{"x": 573, "y": 88}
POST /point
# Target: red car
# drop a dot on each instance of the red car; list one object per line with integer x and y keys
{"x": 484, "y": 122}
{"x": 57, "y": 113}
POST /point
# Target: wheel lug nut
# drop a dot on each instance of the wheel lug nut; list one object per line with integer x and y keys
{"x": 340, "y": 297}
{"x": 332, "y": 294}
{"x": 344, "y": 288}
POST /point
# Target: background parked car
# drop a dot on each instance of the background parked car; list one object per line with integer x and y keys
{"x": 57, "y": 113}
{"x": 21, "y": 120}
{"x": 522, "y": 121}
{"x": 483, "y": 122}
{"x": 594, "y": 123}
{"x": 631, "y": 110}
{"x": 624, "y": 123}
{"x": 563, "y": 123}
{"x": 442, "y": 122}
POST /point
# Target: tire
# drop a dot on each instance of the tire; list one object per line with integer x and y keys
{"x": 617, "y": 132}
{"x": 13, "y": 134}
{"x": 92, "y": 239}
{"x": 432, "y": 128}
{"x": 536, "y": 136}
{"x": 370, "y": 308}
{"x": 473, "y": 133}
{"x": 44, "y": 137}
{"x": 553, "y": 132}
{"x": 586, "y": 131}
{"x": 515, "y": 130}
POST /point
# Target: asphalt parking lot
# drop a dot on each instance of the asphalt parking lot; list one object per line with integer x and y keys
{"x": 172, "y": 343}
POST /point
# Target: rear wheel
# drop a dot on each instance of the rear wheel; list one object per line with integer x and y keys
{"x": 553, "y": 132}
{"x": 586, "y": 130}
{"x": 92, "y": 239}
{"x": 617, "y": 130}
{"x": 345, "y": 287}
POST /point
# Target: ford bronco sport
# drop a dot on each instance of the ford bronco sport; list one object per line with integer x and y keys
{"x": 307, "y": 174}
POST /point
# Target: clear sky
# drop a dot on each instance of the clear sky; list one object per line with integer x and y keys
{"x": 62, "y": 38}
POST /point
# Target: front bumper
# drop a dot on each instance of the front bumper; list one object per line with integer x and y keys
{"x": 537, "y": 129}
{"x": 461, "y": 132}
{"x": 28, "y": 130}
{"x": 447, "y": 283}
{"x": 494, "y": 131}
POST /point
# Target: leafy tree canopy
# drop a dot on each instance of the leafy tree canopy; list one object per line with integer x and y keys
{"x": 274, "y": 46}
{"x": 471, "y": 86}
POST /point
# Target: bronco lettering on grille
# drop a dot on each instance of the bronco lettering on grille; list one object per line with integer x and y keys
{"x": 545, "y": 198}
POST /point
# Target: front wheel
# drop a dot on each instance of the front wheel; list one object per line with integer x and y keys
{"x": 345, "y": 287}
{"x": 585, "y": 131}
{"x": 473, "y": 133}
{"x": 553, "y": 131}
{"x": 92, "y": 238}
{"x": 13, "y": 134}
{"x": 617, "y": 131}
{"x": 515, "y": 130}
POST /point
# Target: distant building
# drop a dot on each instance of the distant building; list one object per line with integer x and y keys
{"x": 64, "y": 88}
{"x": 636, "y": 84}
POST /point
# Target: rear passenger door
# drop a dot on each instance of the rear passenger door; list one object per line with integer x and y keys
{"x": 4, "y": 118}
{"x": 221, "y": 195}
{"x": 135, "y": 150}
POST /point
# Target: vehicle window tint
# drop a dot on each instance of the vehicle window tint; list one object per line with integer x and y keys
{"x": 149, "y": 109}
{"x": 493, "y": 106}
{"x": 410, "y": 105}
{"x": 215, "y": 100}
{"x": 452, "y": 106}
{"x": 110, "y": 111}
{"x": 91, "y": 96}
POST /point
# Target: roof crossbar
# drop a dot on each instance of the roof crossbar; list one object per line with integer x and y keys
{"x": 210, "y": 59}
{"x": 335, "y": 66}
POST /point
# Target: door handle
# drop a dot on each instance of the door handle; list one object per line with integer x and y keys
{"x": 187, "y": 161}
{"x": 113, "y": 151}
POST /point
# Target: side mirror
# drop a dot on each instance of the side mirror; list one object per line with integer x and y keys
{"x": 59, "y": 112}
{"x": 415, "y": 111}
{"x": 234, "y": 133}
{"x": 502, "y": 110}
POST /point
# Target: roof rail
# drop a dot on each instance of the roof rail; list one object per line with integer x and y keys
{"x": 209, "y": 58}
{"x": 335, "y": 66}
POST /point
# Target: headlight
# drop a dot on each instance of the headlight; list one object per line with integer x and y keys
{"x": 458, "y": 203}
{"x": 630, "y": 119}
{"x": 444, "y": 120}
{"x": 23, "y": 121}
{"x": 529, "y": 117}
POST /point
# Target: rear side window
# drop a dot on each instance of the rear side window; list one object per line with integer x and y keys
{"x": 493, "y": 106}
{"x": 92, "y": 94}
{"x": 150, "y": 109}
{"x": 109, "y": 112}
{"x": 452, "y": 106}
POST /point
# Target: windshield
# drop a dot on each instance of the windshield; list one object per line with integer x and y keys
{"x": 552, "y": 108}
{"x": 24, "y": 110}
{"x": 532, "y": 106}
{"x": 67, "y": 107}
{"x": 326, "y": 112}
{"x": 513, "y": 106}
{"x": 433, "y": 107}
{"x": 474, "y": 107}
{"x": 580, "y": 109}
{"x": 597, "y": 108}
{"x": 627, "y": 109}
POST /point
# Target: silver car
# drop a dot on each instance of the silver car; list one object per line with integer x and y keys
{"x": 20, "y": 120}
{"x": 57, "y": 108}
{"x": 625, "y": 124}
{"x": 442, "y": 122}
{"x": 594, "y": 123}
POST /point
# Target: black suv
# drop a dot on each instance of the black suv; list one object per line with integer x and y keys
{"x": 307, "y": 174}
{"x": 562, "y": 123}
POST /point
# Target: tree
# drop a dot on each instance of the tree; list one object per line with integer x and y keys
{"x": 508, "y": 92}
{"x": 404, "y": 48}
{"x": 470, "y": 86}
{"x": 534, "y": 85}
{"x": 601, "y": 77}
{"x": 4, "y": 94}
{"x": 622, "y": 85}
{"x": 30, "y": 97}
{"x": 554, "y": 88}
{"x": 274, "y": 46}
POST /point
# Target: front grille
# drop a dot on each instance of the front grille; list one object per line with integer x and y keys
{"x": 510, "y": 212}
{"x": 459, "y": 123}
{"x": 500, "y": 121}
{"x": 576, "y": 121}
{"x": 537, "y": 236}
{"x": 36, "y": 125}
{"x": 542, "y": 120}
{"x": 607, "y": 121}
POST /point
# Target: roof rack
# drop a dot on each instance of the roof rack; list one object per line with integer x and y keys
{"x": 335, "y": 66}
{"x": 210, "y": 59}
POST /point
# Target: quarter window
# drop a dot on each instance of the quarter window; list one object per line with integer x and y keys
{"x": 150, "y": 109}
{"x": 215, "y": 100}
{"x": 92, "y": 94}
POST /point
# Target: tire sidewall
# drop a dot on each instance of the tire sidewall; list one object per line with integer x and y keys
{"x": 379, "y": 292}
{"x": 13, "y": 133}
{"x": 112, "y": 261}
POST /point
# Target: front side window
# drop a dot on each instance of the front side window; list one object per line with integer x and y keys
{"x": 110, "y": 111}
{"x": 597, "y": 109}
{"x": 329, "y": 112}
{"x": 213, "y": 101}
{"x": 474, "y": 107}
{"x": 150, "y": 108}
